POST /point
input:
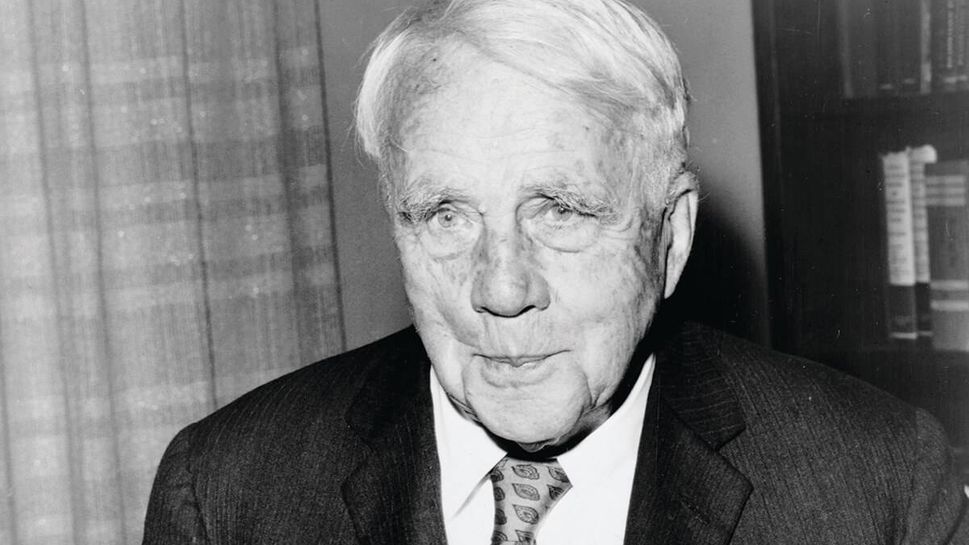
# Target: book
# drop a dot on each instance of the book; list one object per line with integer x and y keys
{"x": 925, "y": 46}
{"x": 946, "y": 186}
{"x": 897, "y": 191}
{"x": 961, "y": 42}
{"x": 943, "y": 43}
{"x": 960, "y": 69}
{"x": 888, "y": 46}
{"x": 908, "y": 36}
{"x": 917, "y": 159}
{"x": 856, "y": 48}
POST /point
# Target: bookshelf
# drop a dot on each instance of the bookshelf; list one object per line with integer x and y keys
{"x": 825, "y": 211}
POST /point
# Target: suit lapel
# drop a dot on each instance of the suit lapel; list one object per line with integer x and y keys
{"x": 685, "y": 492}
{"x": 393, "y": 496}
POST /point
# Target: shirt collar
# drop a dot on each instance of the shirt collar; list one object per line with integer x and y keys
{"x": 613, "y": 444}
{"x": 467, "y": 453}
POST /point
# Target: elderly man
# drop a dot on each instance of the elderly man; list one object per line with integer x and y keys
{"x": 532, "y": 159}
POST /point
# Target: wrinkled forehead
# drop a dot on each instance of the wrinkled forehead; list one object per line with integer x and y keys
{"x": 634, "y": 147}
{"x": 447, "y": 70}
{"x": 493, "y": 129}
{"x": 472, "y": 86}
{"x": 455, "y": 73}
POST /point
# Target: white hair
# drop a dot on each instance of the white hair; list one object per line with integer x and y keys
{"x": 606, "y": 55}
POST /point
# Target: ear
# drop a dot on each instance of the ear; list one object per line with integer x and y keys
{"x": 678, "y": 227}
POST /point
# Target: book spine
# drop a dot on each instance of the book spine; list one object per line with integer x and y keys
{"x": 856, "y": 33}
{"x": 901, "y": 310}
{"x": 918, "y": 158}
{"x": 958, "y": 45}
{"x": 845, "y": 44}
{"x": 948, "y": 217}
{"x": 887, "y": 47}
{"x": 944, "y": 77}
{"x": 907, "y": 23}
{"x": 925, "y": 46}
{"x": 961, "y": 45}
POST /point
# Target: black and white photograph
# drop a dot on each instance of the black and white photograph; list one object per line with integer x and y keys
{"x": 484, "y": 272}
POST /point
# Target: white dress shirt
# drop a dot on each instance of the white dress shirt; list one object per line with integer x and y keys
{"x": 600, "y": 467}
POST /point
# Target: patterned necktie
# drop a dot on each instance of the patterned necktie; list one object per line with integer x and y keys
{"x": 524, "y": 494}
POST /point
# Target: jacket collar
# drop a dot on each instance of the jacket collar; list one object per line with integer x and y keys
{"x": 393, "y": 496}
{"x": 684, "y": 492}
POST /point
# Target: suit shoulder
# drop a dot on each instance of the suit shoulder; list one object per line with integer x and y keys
{"x": 786, "y": 401}
{"x": 816, "y": 419}
{"x": 286, "y": 443}
{"x": 315, "y": 396}
{"x": 772, "y": 385}
{"x": 819, "y": 445}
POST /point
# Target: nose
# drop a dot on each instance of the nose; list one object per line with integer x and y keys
{"x": 506, "y": 282}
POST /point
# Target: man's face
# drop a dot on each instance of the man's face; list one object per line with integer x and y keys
{"x": 530, "y": 257}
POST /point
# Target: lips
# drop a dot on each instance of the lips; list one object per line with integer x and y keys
{"x": 517, "y": 371}
{"x": 517, "y": 361}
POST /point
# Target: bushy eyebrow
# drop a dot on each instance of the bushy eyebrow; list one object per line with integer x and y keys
{"x": 420, "y": 199}
{"x": 573, "y": 198}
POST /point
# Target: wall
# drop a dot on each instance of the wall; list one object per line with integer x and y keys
{"x": 372, "y": 292}
{"x": 725, "y": 282}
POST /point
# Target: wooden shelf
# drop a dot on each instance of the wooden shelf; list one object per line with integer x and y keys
{"x": 929, "y": 106}
{"x": 824, "y": 209}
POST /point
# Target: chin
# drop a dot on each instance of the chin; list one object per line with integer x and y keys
{"x": 530, "y": 442}
{"x": 536, "y": 440}
{"x": 550, "y": 429}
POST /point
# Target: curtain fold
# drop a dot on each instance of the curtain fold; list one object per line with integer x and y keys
{"x": 166, "y": 239}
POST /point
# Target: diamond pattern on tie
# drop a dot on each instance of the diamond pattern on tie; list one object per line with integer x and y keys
{"x": 524, "y": 494}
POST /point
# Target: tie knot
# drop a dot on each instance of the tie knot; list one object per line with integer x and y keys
{"x": 525, "y": 491}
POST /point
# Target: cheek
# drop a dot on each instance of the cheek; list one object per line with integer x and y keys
{"x": 613, "y": 282}
{"x": 649, "y": 245}
{"x": 442, "y": 284}
{"x": 648, "y": 263}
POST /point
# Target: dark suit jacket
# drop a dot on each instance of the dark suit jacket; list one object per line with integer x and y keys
{"x": 740, "y": 445}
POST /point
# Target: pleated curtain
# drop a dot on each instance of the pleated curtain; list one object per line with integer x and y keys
{"x": 166, "y": 240}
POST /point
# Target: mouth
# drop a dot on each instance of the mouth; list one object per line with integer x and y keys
{"x": 517, "y": 360}
{"x": 516, "y": 371}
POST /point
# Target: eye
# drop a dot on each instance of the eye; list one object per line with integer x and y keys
{"x": 446, "y": 217}
{"x": 449, "y": 229}
{"x": 559, "y": 212}
{"x": 560, "y": 225}
{"x": 449, "y": 220}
